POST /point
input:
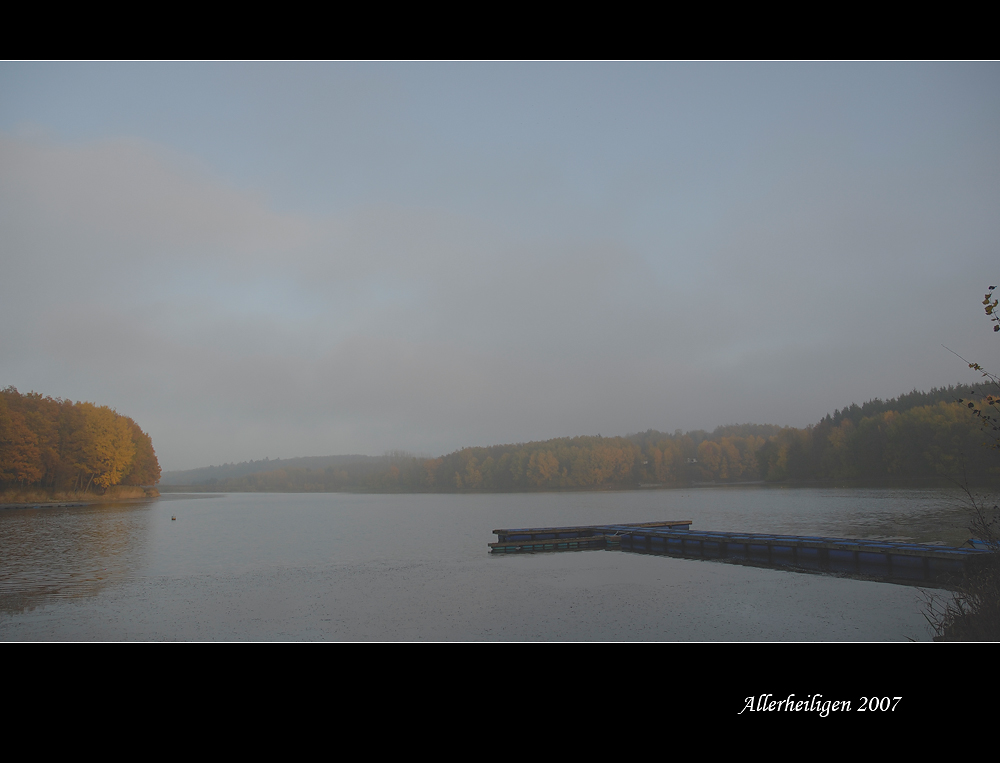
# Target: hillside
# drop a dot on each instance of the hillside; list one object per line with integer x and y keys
{"x": 916, "y": 437}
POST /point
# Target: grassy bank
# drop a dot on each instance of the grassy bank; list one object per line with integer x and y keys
{"x": 40, "y": 495}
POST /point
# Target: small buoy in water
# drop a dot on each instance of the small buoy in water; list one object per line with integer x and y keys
{"x": 172, "y": 519}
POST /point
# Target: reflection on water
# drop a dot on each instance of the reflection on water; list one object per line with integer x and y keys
{"x": 387, "y": 567}
{"x": 64, "y": 552}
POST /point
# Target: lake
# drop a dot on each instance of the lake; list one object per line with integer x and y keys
{"x": 339, "y": 566}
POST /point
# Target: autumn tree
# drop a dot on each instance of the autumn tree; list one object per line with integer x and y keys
{"x": 986, "y": 406}
{"x": 52, "y": 443}
{"x": 543, "y": 468}
{"x": 20, "y": 460}
{"x": 145, "y": 468}
{"x": 105, "y": 445}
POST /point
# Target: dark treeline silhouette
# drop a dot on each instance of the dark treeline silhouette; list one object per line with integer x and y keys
{"x": 914, "y": 399}
{"x": 56, "y": 444}
{"x": 917, "y": 436}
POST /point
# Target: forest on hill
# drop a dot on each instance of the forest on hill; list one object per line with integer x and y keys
{"x": 56, "y": 444}
{"x": 917, "y": 436}
{"x": 211, "y": 475}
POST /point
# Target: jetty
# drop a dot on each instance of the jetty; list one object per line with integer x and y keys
{"x": 922, "y": 564}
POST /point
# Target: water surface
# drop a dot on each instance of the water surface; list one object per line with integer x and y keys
{"x": 245, "y": 566}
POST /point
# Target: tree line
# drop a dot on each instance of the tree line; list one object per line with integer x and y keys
{"x": 57, "y": 444}
{"x": 915, "y": 436}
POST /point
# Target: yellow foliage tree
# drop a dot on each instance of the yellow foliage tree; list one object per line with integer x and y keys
{"x": 542, "y": 468}
{"x": 107, "y": 448}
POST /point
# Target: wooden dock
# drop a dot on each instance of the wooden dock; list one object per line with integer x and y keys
{"x": 907, "y": 563}
{"x": 518, "y": 538}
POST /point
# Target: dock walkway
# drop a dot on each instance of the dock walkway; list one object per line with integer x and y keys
{"x": 907, "y": 563}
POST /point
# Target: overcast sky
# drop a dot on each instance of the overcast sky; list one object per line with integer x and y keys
{"x": 286, "y": 260}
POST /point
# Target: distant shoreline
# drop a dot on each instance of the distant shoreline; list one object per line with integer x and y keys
{"x": 16, "y": 499}
{"x": 988, "y": 483}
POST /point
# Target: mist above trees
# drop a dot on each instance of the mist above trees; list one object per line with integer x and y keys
{"x": 916, "y": 436}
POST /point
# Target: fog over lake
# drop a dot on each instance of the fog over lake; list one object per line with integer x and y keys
{"x": 279, "y": 260}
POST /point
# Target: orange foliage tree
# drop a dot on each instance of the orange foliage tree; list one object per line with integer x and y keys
{"x": 52, "y": 443}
